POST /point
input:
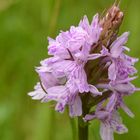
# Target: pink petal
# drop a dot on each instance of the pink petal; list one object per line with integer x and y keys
{"x": 106, "y": 132}
{"x": 127, "y": 110}
{"x": 76, "y": 108}
{"x": 94, "y": 90}
{"x": 112, "y": 72}
{"x": 117, "y": 45}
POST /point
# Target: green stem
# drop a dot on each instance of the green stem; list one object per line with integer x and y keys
{"x": 55, "y": 14}
{"x": 82, "y": 129}
{"x": 73, "y": 128}
{"x": 82, "y": 125}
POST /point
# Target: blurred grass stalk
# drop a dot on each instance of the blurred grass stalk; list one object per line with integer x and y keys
{"x": 4, "y": 4}
{"x": 45, "y": 128}
{"x": 51, "y": 32}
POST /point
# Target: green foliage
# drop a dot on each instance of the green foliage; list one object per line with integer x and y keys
{"x": 24, "y": 27}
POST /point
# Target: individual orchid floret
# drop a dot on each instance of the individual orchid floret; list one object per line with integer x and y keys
{"x": 93, "y": 30}
{"x": 121, "y": 67}
{"x": 110, "y": 121}
{"x": 109, "y": 126}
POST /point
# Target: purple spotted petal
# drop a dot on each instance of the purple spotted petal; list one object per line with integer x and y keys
{"x": 112, "y": 102}
{"x": 76, "y": 107}
{"x": 94, "y": 90}
{"x": 127, "y": 110}
{"x": 106, "y": 132}
{"x": 125, "y": 88}
{"x": 117, "y": 45}
{"x": 112, "y": 72}
{"x": 38, "y": 93}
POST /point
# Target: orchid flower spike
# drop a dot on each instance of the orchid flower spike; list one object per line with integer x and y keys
{"x": 88, "y": 66}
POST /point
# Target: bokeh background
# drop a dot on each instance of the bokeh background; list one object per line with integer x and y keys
{"x": 24, "y": 27}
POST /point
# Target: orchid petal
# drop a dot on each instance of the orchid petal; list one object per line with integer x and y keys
{"x": 76, "y": 107}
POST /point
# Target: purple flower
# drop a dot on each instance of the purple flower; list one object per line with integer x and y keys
{"x": 38, "y": 93}
{"x": 93, "y": 30}
{"x": 109, "y": 126}
{"x": 121, "y": 66}
{"x": 110, "y": 121}
{"x": 88, "y": 67}
{"x": 63, "y": 77}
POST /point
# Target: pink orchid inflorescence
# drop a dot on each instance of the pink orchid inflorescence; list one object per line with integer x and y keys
{"x": 88, "y": 67}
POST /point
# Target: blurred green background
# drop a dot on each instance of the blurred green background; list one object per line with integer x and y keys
{"x": 24, "y": 27}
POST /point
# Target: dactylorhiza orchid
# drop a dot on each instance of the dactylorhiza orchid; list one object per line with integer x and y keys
{"x": 88, "y": 67}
